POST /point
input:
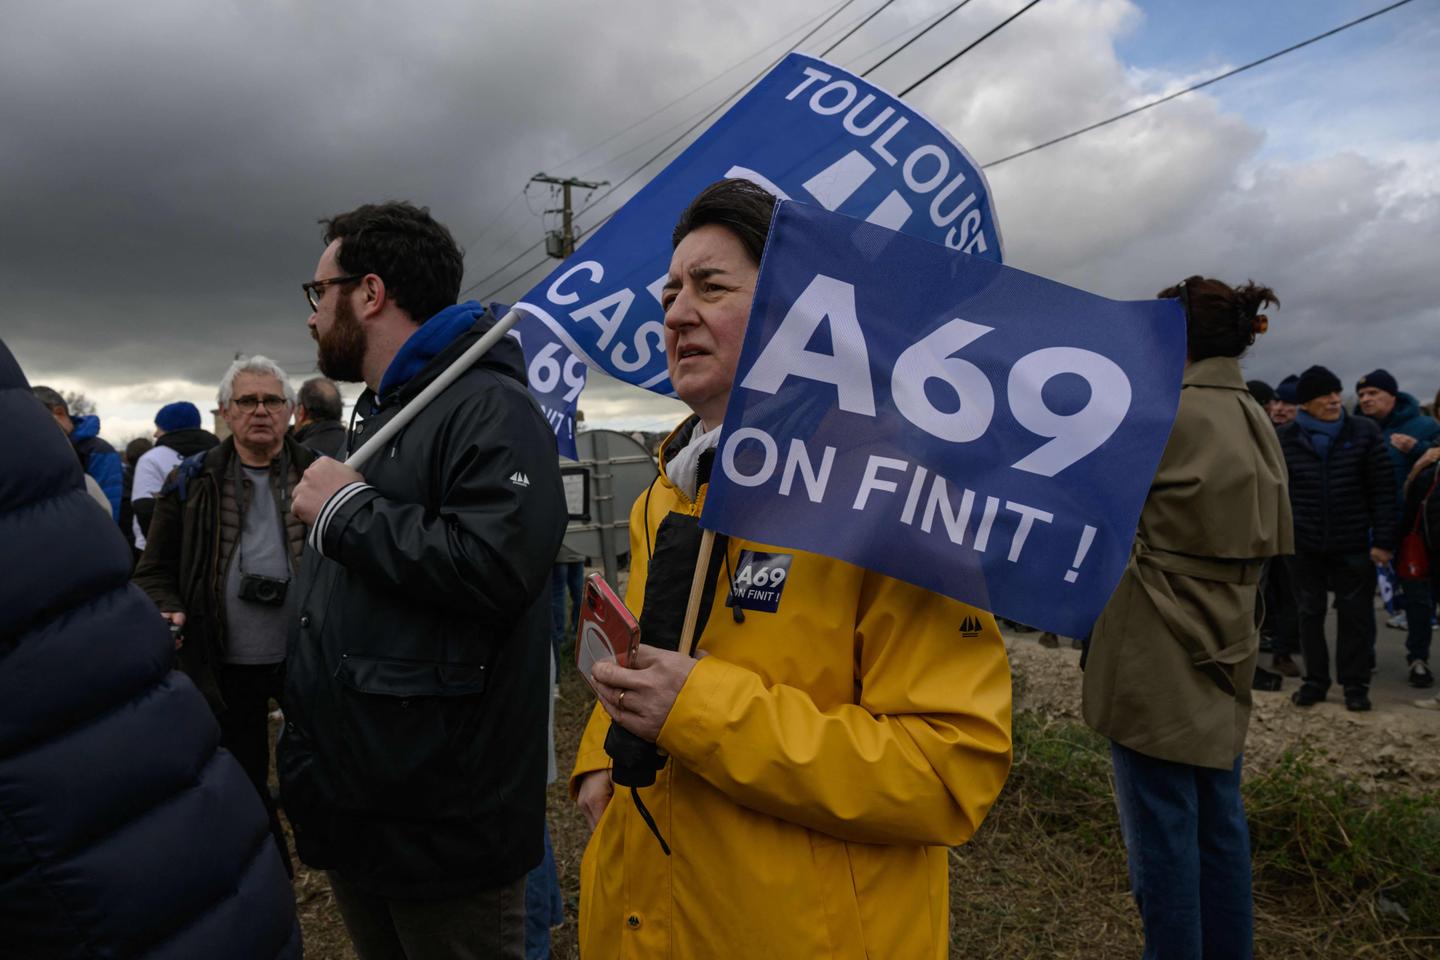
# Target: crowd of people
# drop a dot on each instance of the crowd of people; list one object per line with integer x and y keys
{"x": 792, "y": 785}
{"x": 1358, "y": 481}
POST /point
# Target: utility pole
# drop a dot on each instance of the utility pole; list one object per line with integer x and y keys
{"x": 560, "y": 244}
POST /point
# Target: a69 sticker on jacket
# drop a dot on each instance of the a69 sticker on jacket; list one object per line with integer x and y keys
{"x": 759, "y": 581}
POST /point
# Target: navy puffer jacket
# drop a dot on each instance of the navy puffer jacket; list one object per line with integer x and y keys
{"x": 124, "y": 830}
{"x": 1343, "y": 503}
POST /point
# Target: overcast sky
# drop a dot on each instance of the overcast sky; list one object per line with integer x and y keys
{"x": 164, "y": 164}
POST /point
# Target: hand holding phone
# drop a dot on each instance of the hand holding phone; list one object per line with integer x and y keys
{"x": 608, "y": 630}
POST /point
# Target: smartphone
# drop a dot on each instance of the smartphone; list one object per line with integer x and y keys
{"x": 608, "y": 631}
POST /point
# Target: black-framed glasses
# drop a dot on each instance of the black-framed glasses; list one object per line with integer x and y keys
{"x": 315, "y": 289}
{"x": 272, "y": 403}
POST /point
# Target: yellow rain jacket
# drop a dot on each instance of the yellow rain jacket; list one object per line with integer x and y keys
{"x": 822, "y": 758}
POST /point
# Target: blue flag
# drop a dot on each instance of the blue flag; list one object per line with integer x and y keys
{"x": 554, "y": 374}
{"x": 945, "y": 420}
{"x": 808, "y": 131}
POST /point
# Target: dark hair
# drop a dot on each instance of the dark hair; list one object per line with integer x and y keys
{"x": 320, "y": 398}
{"x": 738, "y": 205}
{"x": 1221, "y": 321}
{"x": 136, "y": 449}
{"x": 407, "y": 248}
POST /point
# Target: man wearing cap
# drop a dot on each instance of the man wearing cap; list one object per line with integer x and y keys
{"x": 1408, "y": 433}
{"x": 178, "y": 434}
{"x": 1342, "y": 491}
{"x": 1282, "y": 408}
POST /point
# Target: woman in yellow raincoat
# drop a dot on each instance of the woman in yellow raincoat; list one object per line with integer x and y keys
{"x": 834, "y": 736}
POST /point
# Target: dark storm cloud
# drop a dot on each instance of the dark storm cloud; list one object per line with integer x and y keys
{"x": 165, "y": 164}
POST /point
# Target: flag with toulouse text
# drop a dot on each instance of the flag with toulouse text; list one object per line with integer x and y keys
{"x": 808, "y": 131}
{"x": 554, "y": 375}
{"x": 943, "y": 419}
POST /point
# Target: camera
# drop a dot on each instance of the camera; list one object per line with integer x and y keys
{"x": 266, "y": 590}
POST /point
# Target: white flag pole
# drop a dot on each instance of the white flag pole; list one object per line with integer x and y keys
{"x": 412, "y": 409}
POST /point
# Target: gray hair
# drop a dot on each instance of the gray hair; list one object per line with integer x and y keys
{"x": 257, "y": 364}
{"x": 50, "y": 398}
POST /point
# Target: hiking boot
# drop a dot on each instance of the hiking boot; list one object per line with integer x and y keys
{"x": 1282, "y": 664}
{"x": 1420, "y": 675}
{"x": 1049, "y": 641}
{"x": 1398, "y": 622}
{"x": 1307, "y": 696}
{"x": 1357, "y": 702}
{"x": 1429, "y": 703}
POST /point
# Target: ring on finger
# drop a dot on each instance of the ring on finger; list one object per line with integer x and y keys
{"x": 620, "y": 701}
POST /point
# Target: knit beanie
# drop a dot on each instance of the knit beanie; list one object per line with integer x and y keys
{"x": 1285, "y": 389}
{"x": 1261, "y": 391}
{"x": 1381, "y": 380}
{"x": 1316, "y": 382}
{"x": 181, "y": 415}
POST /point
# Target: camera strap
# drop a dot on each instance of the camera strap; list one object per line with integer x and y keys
{"x": 242, "y": 506}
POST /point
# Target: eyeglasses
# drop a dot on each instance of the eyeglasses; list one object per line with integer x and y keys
{"x": 315, "y": 289}
{"x": 272, "y": 403}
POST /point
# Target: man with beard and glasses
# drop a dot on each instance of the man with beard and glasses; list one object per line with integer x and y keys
{"x": 413, "y": 758}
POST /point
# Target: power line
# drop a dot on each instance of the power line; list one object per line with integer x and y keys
{"x": 666, "y": 131}
{"x": 523, "y": 273}
{"x": 878, "y": 10}
{"x": 498, "y": 217}
{"x": 985, "y": 36}
{"x": 506, "y": 266}
{"x": 886, "y": 59}
{"x": 684, "y": 96}
{"x": 716, "y": 109}
{"x": 1181, "y": 93}
{"x": 494, "y": 219}
{"x": 886, "y": 42}
{"x": 630, "y": 176}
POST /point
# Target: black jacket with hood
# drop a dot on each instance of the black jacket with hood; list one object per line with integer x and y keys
{"x": 413, "y": 757}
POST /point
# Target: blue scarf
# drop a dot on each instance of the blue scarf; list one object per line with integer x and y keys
{"x": 427, "y": 342}
{"x": 1322, "y": 432}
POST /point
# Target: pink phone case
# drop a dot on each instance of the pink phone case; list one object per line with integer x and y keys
{"x": 608, "y": 630}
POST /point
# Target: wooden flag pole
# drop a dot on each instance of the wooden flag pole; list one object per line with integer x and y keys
{"x": 697, "y": 592}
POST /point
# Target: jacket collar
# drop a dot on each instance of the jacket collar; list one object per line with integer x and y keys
{"x": 430, "y": 350}
{"x": 1221, "y": 372}
{"x": 670, "y": 448}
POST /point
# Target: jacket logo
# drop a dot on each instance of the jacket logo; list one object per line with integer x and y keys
{"x": 519, "y": 479}
{"x": 970, "y": 627}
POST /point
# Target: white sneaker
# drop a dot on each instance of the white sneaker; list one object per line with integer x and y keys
{"x": 1398, "y": 622}
{"x": 1429, "y": 703}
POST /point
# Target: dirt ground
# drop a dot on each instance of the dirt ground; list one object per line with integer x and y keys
{"x": 1396, "y": 745}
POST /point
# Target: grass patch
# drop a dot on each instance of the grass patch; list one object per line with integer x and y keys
{"x": 1338, "y": 871}
{"x": 1368, "y": 862}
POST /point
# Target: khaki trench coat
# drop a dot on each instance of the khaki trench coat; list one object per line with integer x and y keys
{"x": 1173, "y": 654}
